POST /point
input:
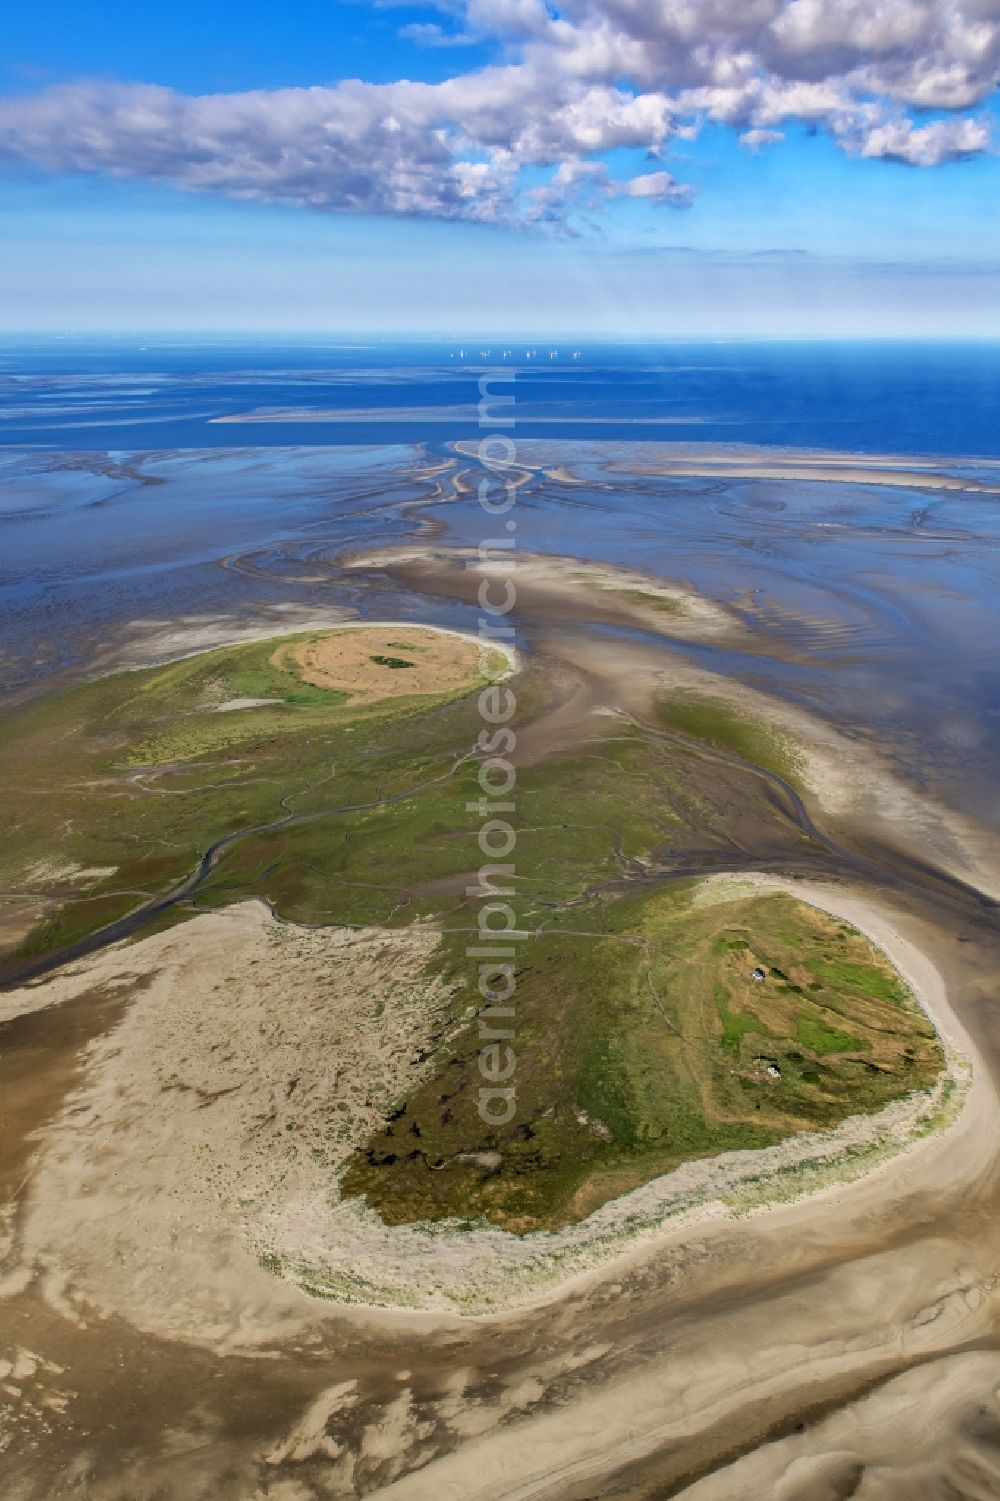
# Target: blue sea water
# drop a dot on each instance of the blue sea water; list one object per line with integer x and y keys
{"x": 127, "y": 508}
{"x": 163, "y": 393}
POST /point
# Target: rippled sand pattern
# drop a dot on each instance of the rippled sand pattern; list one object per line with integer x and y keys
{"x": 840, "y": 1346}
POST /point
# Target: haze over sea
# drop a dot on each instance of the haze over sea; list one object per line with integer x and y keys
{"x": 163, "y": 393}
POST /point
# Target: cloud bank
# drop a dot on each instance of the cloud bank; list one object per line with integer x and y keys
{"x": 899, "y": 79}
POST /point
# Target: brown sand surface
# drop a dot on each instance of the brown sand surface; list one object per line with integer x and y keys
{"x": 850, "y": 782}
{"x": 744, "y": 461}
{"x": 176, "y": 1135}
{"x": 265, "y": 1055}
{"x": 253, "y": 1058}
{"x": 707, "y": 1373}
{"x": 604, "y": 590}
{"x": 931, "y": 1433}
{"x": 151, "y": 641}
{"x": 853, "y": 782}
{"x": 833, "y": 474}
{"x": 152, "y": 1358}
{"x": 19, "y": 913}
{"x": 413, "y": 660}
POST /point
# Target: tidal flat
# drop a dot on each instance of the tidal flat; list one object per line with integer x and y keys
{"x": 215, "y": 1103}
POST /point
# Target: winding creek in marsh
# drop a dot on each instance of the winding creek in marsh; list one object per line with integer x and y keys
{"x": 869, "y": 608}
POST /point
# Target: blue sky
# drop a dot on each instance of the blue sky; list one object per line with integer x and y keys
{"x": 687, "y": 173}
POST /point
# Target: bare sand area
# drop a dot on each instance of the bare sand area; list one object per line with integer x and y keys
{"x": 389, "y": 661}
{"x": 255, "y": 1057}
{"x": 745, "y": 461}
{"x": 445, "y": 414}
{"x": 19, "y": 913}
{"x": 152, "y": 642}
{"x": 851, "y": 780}
{"x": 675, "y": 608}
{"x": 451, "y": 415}
{"x": 846, "y": 779}
{"x": 918, "y": 477}
{"x": 195, "y": 1125}
{"x": 931, "y": 1433}
{"x": 717, "y": 1372}
{"x": 695, "y": 1344}
{"x": 844, "y": 1343}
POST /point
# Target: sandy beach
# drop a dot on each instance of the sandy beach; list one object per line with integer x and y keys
{"x": 673, "y": 1343}
{"x": 852, "y": 782}
{"x": 808, "y": 465}
{"x": 261, "y": 1197}
{"x": 613, "y": 1416}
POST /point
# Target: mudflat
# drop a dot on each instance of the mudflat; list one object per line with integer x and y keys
{"x": 216, "y": 1283}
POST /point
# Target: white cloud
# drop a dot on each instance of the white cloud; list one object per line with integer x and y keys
{"x": 657, "y": 187}
{"x": 450, "y": 150}
{"x": 758, "y": 136}
{"x": 925, "y": 145}
{"x": 598, "y": 76}
{"x": 430, "y": 34}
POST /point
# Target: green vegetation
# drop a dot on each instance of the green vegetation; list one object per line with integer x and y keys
{"x": 822, "y": 1039}
{"x": 133, "y": 777}
{"x": 863, "y": 977}
{"x": 580, "y": 820}
{"x": 717, "y": 724}
{"x": 641, "y": 1046}
{"x": 666, "y": 604}
{"x": 642, "y": 1037}
{"x": 393, "y": 662}
{"x": 735, "y": 1024}
{"x": 129, "y": 779}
